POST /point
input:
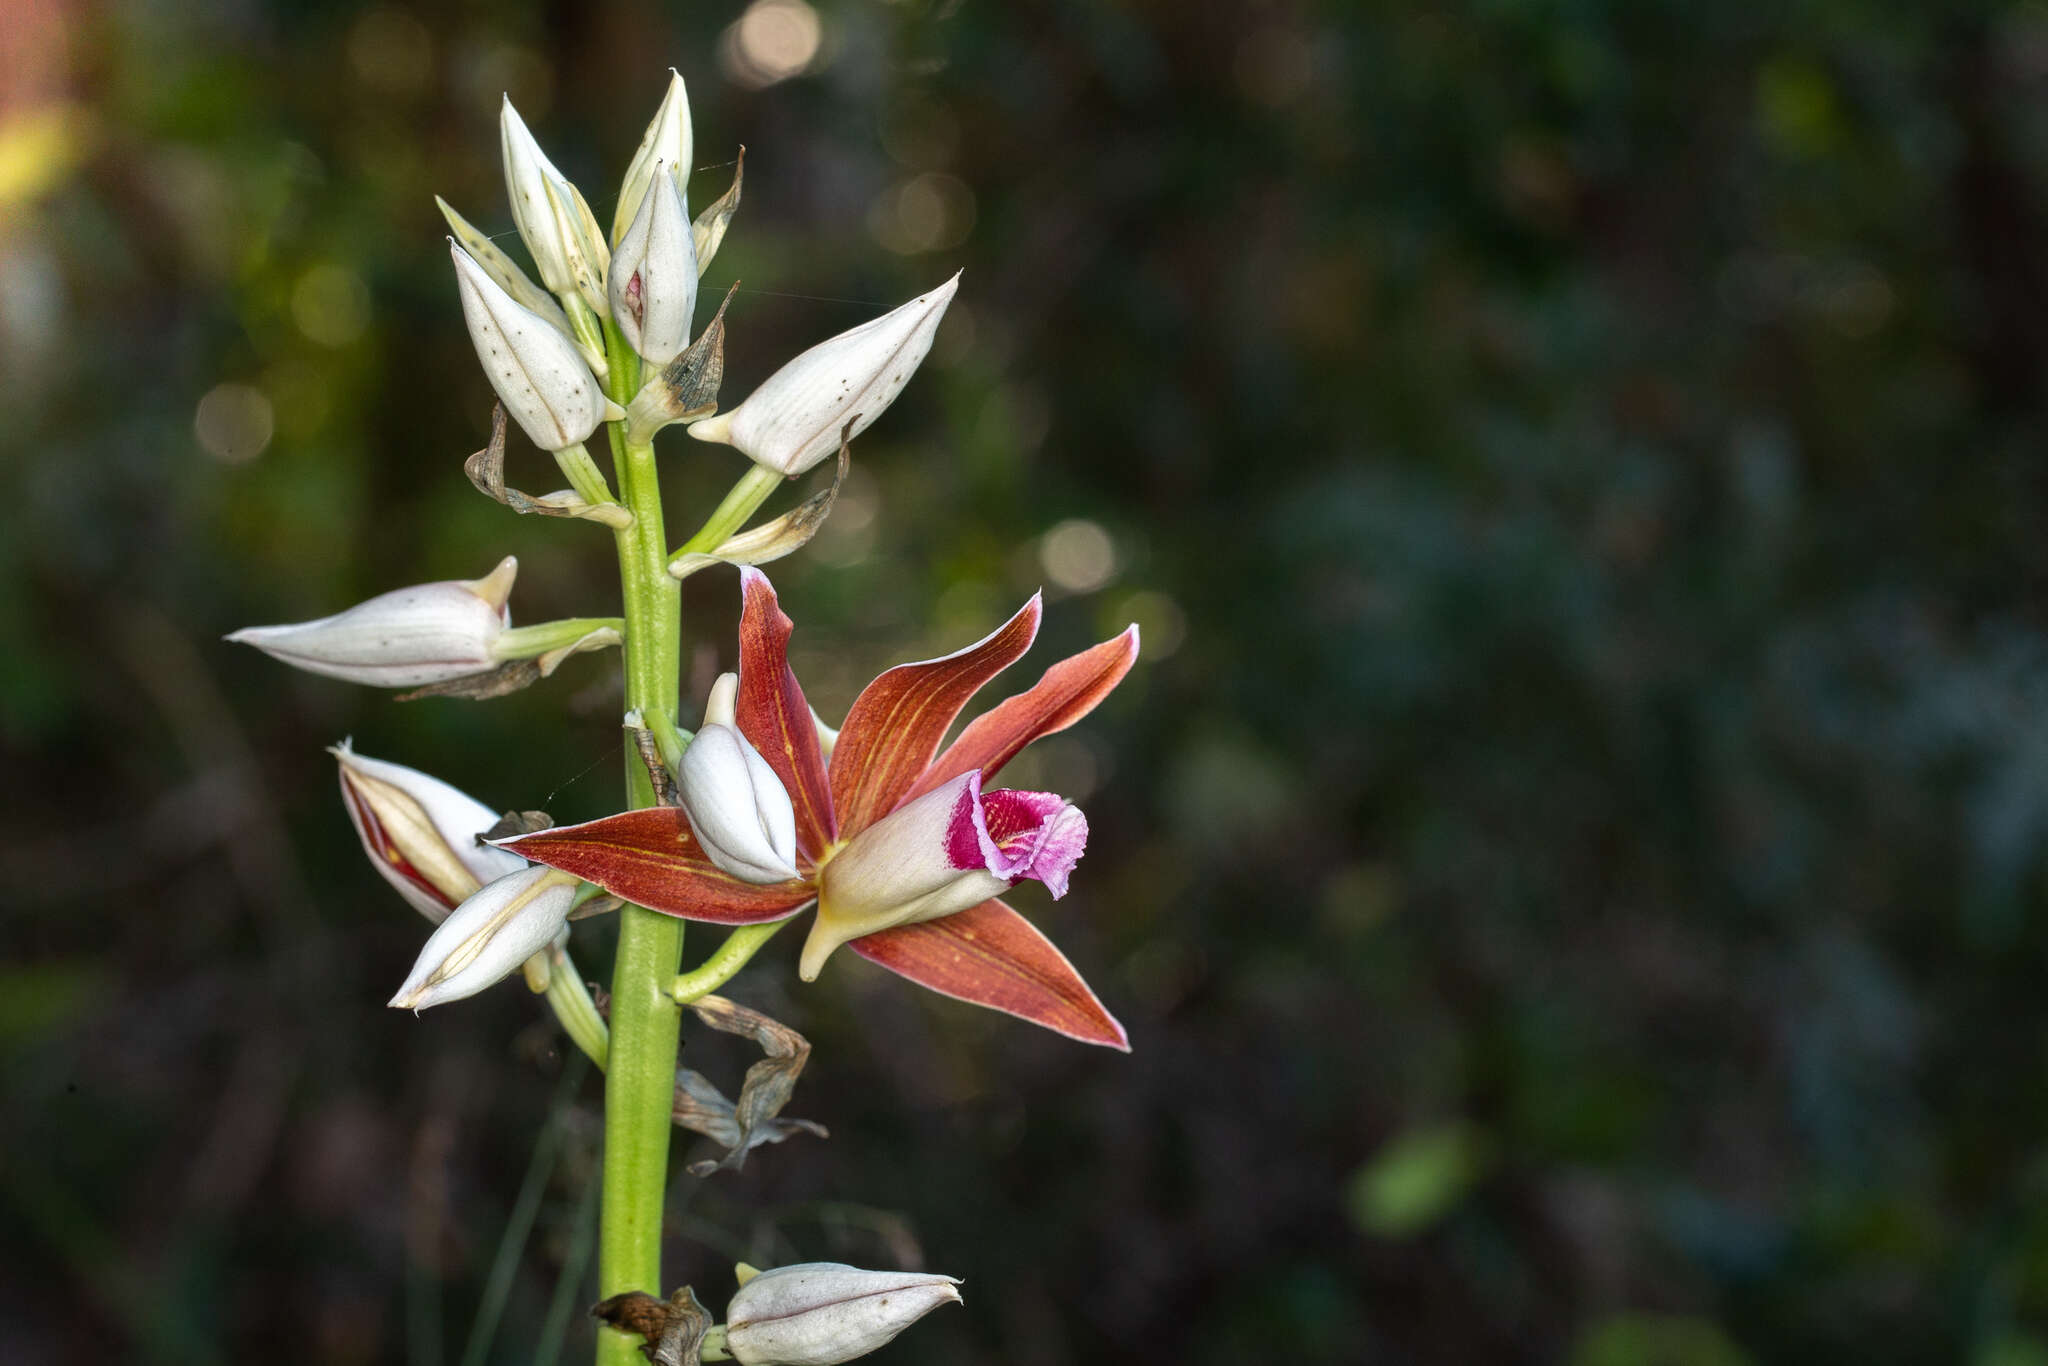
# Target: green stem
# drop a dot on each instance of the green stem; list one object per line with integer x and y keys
{"x": 639, "y": 1089}
{"x": 571, "y": 1002}
{"x": 524, "y": 642}
{"x": 715, "y": 971}
{"x": 669, "y": 738}
{"x": 741, "y": 502}
{"x": 583, "y": 475}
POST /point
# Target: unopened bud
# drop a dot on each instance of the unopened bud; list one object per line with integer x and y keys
{"x": 822, "y": 1313}
{"x": 567, "y": 247}
{"x": 654, "y": 277}
{"x": 429, "y": 633}
{"x": 667, "y": 140}
{"x": 487, "y": 938}
{"x": 737, "y": 806}
{"x": 798, "y": 416}
{"x": 420, "y": 833}
{"x": 537, "y": 371}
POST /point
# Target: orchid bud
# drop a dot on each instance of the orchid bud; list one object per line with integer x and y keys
{"x": 737, "y": 806}
{"x": 537, "y": 371}
{"x": 510, "y": 278}
{"x": 429, "y": 633}
{"x": 654, "y": 277}
{"x": 821, "y": 1313}
{"x": 795, "y": 419}
{"x": 486, "y": 938}
{"x": 667, "y": 139}
{"x": 945, "y": 852}
{"x": 420, "y": 833}
{"x": 567, "y": 247}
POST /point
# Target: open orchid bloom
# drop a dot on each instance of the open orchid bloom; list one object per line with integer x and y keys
{"x": 896, "y": 842}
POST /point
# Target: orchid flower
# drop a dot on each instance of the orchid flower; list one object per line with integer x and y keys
{"x": 896, "y": 842}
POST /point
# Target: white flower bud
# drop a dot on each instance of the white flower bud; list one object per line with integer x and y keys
{"x": 536, "y": 370}
{"x": 822, "y": 1313}
{"x": 567, "y": 247}
{"x": 420, "y": 833}
{"x": 487, "y": 938}
{"x": 428, "y": 633}
{"x": 793, "y": 421}
{"x": 653, "y": 279}
{"x": 736, "y": 804}
{"x": 667, "y": 139}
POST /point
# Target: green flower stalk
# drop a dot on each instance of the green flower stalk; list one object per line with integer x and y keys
{"x": 608, "y": 329}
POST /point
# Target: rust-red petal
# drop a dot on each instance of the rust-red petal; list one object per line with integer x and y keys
{"x": 650, "y": 858}
{"x": 772, "y": 713}
{"x": 898, "y": 720}
{"x": 1069, "y": 690}
{"x": 993, "y": 957}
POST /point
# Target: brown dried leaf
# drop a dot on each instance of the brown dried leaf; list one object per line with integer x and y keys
{"x": 673, "y": 1331}
{"x": 709, "y": 229}
{"x": 486, "y": 470}
{"x": 756, "y": 1119}
{"x": 687, "y": 386}
{"x": 603, "y": 904}
{"x": 772, "y": 540}
{"x": 508, "y": 677}
{"x": 514, "y": 823}
{"x": 665, "y": 791}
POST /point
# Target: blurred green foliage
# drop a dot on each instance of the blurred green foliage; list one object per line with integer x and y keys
{"x": 1580, "y": 472}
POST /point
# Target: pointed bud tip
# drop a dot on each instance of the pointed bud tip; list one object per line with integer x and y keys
{"x": 495, "y": 587}
{"x": 717, "y": 428}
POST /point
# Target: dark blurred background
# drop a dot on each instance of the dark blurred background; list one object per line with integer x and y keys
{"x": 1570, "y": 858}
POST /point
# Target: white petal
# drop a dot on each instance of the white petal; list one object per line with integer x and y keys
{"x": 653, "y": 279}
{"x": 794, "y": 420}
{"x": 667, "y": 139}
{"x": 454, "y": 819}
{"x": 486, "y": 938}
{"x": 901, "y": 870}
{"x": 737, "y": 807}
{"x": 538, "y": 372}
{"x": 822, "y": 1313}
{"x": 527, "y": 171}
{"x": 429, "y": 633}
